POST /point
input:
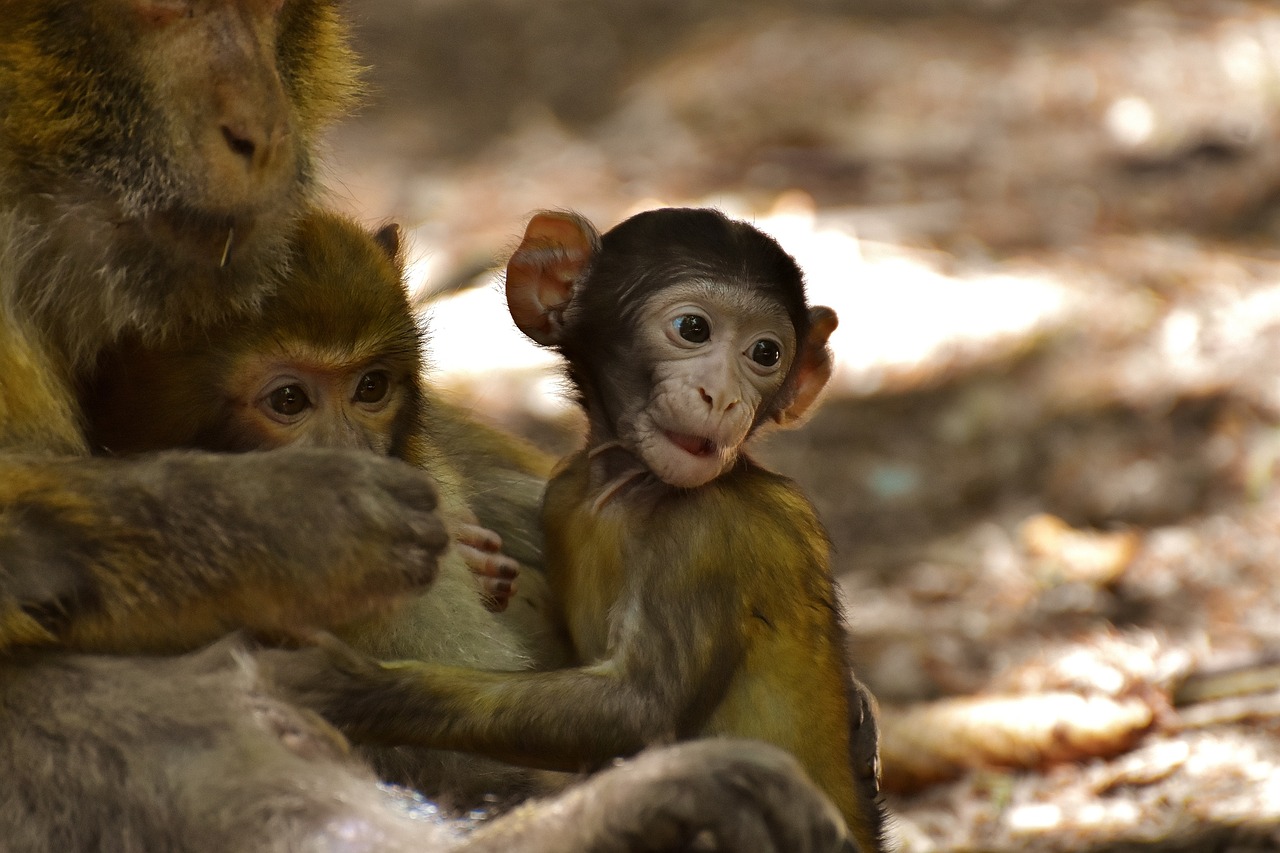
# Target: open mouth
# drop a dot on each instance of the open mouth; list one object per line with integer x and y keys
{"x": 694, "y": 445}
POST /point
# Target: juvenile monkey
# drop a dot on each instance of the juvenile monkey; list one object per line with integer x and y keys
{"x": 332, "y": 359}
{"x": 695, "y": 585}
{"x": 154, "y": 157}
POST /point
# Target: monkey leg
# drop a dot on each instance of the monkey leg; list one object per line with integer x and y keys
{"x": 730, "y": 795}
{"x": 189, "y": 754}
{"x": 197, "y": 753}
{"x": 166, "y": 552}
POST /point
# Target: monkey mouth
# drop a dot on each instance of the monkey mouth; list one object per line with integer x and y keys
{"x": 695, "y": 445}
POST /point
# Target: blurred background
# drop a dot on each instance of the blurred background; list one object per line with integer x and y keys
{"x": 1048, "y": 462}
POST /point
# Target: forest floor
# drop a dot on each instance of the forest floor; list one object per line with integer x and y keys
{"x": 1049, "y": 462}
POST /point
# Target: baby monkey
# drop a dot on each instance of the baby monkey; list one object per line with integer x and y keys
{"x": 684, "y": 333}
{"x": 694, "y": 585}
{"x": 333, "y": 360}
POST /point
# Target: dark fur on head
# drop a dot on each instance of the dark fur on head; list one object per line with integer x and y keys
{"x": 652, "y": 250}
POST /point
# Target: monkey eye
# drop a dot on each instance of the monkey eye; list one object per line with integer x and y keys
{"x": 373, "y": 387}
{"x": 766, "y": 353}
{"x": 693, "y": 328}
{"x": 288, "y": 400}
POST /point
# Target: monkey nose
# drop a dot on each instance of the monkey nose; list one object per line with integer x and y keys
{"x": 240, "y": 143}
{"x": 256, "y": 147}
{"x": 710, "y": 400}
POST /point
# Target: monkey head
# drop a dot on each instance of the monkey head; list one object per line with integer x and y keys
{"x": 684, "y": 331}
{"x": 333, "y": 360}
{"x": 168, "y": 142}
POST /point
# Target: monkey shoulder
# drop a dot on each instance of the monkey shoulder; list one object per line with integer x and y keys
{"x": 779, "y": 545}
{"x": 773, "y": 503}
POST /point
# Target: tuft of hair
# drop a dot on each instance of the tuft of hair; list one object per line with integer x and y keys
{"x": 674, "y": 243}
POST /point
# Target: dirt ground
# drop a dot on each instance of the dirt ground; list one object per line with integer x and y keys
{"x": 1049, "y": 463}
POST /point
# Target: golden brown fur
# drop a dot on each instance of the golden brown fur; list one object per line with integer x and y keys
{"x": 739, "y": 571}
{"x": 158, "y": 203}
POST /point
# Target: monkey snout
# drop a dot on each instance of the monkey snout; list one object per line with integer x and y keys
{"x": 719, "y": 403}
{"x": 258, "y": 151}
{"x": 247, "y": 147}
{"x": 240, "y": 143}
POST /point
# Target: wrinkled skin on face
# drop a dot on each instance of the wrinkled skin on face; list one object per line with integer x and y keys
{"x": 719, "y": 354}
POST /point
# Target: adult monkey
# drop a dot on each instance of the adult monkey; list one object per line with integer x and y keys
{"x": 153, "y": 154}
{"x": 148, "y": 143}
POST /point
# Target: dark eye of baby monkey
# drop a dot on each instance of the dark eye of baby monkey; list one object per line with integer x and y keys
{"x": 288, "y": 400}
{"x": 373, "y": 387}
{"x": 766, "y": 353}
{"x": 693, "y": 328}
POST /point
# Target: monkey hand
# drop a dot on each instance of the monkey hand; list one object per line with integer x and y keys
{"x": 322, "y": 673}
{"x": 481, "y": 550}
{"x": 172, "y": 550}
{"x": 732, "y": 796}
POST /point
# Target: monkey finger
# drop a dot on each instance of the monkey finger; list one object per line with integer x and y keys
{"x": 279, "y": 637}
{"x": 345, "y": 657}
{"x": 480, "y": 538}
{"x": 484, "y": 564}
{"x": 323, "y": 675}
{"x": 497, "y": 593}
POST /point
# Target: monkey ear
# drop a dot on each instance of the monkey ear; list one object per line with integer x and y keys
{"x": 815, "y": 366}
{"x": 556, "y": 250}
{"x": 388, "y": 237}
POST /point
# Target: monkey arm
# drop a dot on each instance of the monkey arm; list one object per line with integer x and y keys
{"x": 37, "y": 414}
{"x": 571, "y": 720}
{"x": 170, "y": 551}
{"x": 667, "y": 673}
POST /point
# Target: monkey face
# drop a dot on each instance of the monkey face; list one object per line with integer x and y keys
{"x": 306, "y": 401}
{"x": 683, "y": 331}
{"x": 173, "y": 117}
{"x": 718, "y": 355}
{"x": 231, "y": 154}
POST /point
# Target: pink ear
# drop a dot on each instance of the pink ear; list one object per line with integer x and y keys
{"x": 555, "y": 252}
{"x": 815, "y": 365}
